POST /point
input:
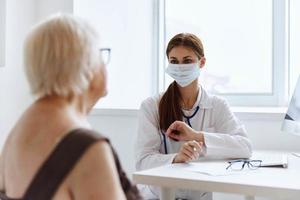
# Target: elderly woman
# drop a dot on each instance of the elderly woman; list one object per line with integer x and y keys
{"x": 51, "y": 152}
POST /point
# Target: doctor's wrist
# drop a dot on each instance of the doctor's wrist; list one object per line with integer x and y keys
{"x": 199, "y": 137}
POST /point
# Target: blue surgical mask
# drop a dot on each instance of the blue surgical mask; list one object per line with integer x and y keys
{"x": 184, "y": 74}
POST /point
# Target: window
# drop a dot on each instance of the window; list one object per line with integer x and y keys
{"x": 244, "y": 46}
{"x": 127, "y": 28}
{"x": 251, "y": 47}
{"x": 2, "y": 33}
{"x": 294, "y": 43}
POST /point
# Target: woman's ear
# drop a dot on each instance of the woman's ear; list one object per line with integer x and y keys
{"x": 202, "y": 62}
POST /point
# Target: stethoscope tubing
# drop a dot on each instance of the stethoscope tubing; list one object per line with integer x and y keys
{"x": 189, "y": 123}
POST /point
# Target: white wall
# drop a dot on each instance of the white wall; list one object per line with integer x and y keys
{"x": 125, "y": 26}
{"x": 49, "y": 7}
{"x": 122, "y": 131}
{"x": 14, "y": 91}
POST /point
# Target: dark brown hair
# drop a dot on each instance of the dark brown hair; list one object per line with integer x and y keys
{"x": 170, "y": 103}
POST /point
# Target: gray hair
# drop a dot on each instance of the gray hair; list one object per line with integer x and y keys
{"x": 61, "y": 54}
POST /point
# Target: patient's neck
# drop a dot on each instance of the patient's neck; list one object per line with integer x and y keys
{"x": 74, "y": 106}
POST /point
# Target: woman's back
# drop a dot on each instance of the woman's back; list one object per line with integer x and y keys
{"x": 33, "y": 139}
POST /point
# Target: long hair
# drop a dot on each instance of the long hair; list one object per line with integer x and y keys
{"x": 170, "y": 104}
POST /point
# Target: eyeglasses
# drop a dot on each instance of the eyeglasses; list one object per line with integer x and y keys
{"x": 105, "y": 54}
{"x": 240, "y": 164}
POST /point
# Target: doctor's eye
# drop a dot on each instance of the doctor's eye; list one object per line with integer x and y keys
{"x": 173, "y": 61}
{"x": 188, "y": 61}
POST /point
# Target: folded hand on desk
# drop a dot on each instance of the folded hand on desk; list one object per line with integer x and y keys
{"x": 189, "y": 151}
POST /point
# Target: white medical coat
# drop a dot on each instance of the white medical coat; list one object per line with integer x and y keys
{"x": 224, "y": 136}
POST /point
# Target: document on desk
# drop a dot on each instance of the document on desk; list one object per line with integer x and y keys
{"x": 210, "y": 168}
{"x": 271, "y": 159}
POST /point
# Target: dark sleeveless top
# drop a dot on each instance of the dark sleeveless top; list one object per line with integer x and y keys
{"x": 61, "y": 161}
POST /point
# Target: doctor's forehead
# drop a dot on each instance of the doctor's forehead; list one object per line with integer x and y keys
{"x": 181, "y": 52}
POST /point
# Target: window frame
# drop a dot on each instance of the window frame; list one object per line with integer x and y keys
{"x": 293, "y": 79}
{"x": 280, "y": 58}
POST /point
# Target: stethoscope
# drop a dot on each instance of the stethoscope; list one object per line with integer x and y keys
{"x": 188, "y": 119}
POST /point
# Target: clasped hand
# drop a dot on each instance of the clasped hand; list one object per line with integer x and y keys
{"x": 194, "y": 141}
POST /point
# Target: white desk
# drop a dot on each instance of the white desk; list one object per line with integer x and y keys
{"x": 278, "y": 183}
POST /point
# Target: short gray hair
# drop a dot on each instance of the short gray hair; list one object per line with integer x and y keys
{"x": 61, "y": 54}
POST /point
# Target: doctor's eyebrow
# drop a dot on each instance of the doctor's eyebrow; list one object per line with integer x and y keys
{"x": 185, "y": 57}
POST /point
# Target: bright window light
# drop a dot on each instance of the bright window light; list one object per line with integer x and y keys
{"x": 294, "y": 43}
{"x": 237, "y": 38}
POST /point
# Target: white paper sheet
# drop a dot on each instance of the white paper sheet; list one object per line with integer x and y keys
{"x": 211, "y": 168}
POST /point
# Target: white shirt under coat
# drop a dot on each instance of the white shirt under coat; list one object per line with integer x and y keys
{"x": 224, "y": 135}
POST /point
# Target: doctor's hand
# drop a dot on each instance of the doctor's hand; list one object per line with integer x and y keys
{"x": 180, "y": 131}
{"x": 189, "y": 151}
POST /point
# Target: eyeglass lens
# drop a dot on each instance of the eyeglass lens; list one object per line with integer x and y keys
{"x": 105, "y": 53}
{"x": 240, "y": 164}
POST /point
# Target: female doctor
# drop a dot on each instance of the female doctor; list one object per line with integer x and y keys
{"x": 185, "y": 123}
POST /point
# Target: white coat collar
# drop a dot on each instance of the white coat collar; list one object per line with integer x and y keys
{"x": 203, "y": 100}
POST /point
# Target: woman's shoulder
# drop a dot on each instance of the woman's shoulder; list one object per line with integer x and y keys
{"x": 97, "y": 163}
{"x": 90, "y": 135}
